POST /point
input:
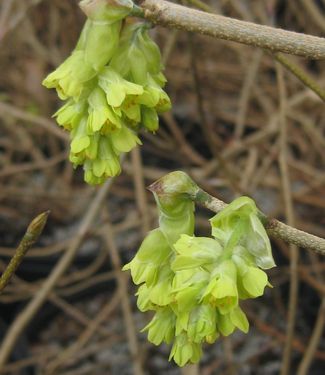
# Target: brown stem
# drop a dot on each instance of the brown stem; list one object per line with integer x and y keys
{"x": 33, "y": 231}
{"x": 277, "y": 40}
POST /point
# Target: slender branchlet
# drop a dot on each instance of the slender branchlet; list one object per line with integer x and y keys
{"x": 33, "y": 231}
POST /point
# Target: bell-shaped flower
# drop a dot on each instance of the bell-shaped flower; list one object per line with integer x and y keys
{"x": 137, "y": 54}
{"x": 80, "y": 138}
{"x": 188, "y": 286}
{"x": 222, "y": 289}
{"x": 162, "y": 326}
{"x": 154, "y": 96}
{"x": 143, "y": 298}
{"x": 69, "y": 115}
{"x": 161, "y": 292}
{"x": 149, "y": 119}
{"x": 195, "y": 251}
{"x": 124, "y": 139}
{"x": 106, "y": 164}
{"x": 238, "y": 209}
{"x": 185, "y": 351}
{"x": 236, "y": 318}
{"x": 258, "y": 243}
{"x": 239, "y": 319}
{"x": 239, "y": 224}
{"x": 251, "y": 280}
{"x": 116, "y": 88}
{"x": 101, "y": 116}
{"x": 252, "y": 283}
{"x": 150, "y": 50}
{"x": 131, "y": 110}
{"x": 202, "y": 323}
{"x": 70, "y": 77}
{"x": 152, "y": 254}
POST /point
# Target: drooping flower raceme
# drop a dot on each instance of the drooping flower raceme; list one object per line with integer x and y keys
{"x": 113, "y": 86}
{"x": 195, "y": 284}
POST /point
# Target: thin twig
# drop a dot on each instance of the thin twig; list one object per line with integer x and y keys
{"x": 296, "y": 70}
{"x": 314, "y": 341}
{"x": 318, "y": 328}
{"x": 304, "y": 77}
{"x": 140, "y": 190}
{"x": 33, "y": 231}
{"x": 213, "y": 140}
{"x": 286, "y": 188}
{"x": 246, "y": 92}
{"x": 177, "y": 16}
{"x": 126, "y": 306}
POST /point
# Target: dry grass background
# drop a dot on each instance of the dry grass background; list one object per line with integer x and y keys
{"x": 229, "y": 105}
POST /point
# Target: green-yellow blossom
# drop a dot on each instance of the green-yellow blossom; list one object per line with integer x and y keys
{"x": 151, "y": 256}
{"x": 70, "y": 77}
{"x": 162, "y": 327}
{"x": 185, "y": 351}
{"x": 239, "y": 224}
{"x": 195, "y": 284}
{"x": 112, "y": 82}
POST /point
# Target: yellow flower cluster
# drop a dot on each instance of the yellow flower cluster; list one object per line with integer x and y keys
{"x": 113, "y": 87}
{"x": 194, "y": 284}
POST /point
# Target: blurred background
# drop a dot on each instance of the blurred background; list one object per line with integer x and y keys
{"x": 224, "y": 130}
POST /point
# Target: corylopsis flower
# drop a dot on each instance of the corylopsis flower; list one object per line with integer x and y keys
{"x": 112, "y": 82}
{"x": 195, "y": 284}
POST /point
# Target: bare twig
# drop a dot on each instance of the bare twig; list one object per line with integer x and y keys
{"x": 314, "y": 341}
{"x": 213, "y": 140}
{"x": 306, "y": 79}
{"x": 176, "y": 16}
{"x": 246, "y": 91}
{"x": 140, "y": 191}
{"x": 286, "y": 188}
{"x": 126, "y": 306}
{"x": 33, "y": 231}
